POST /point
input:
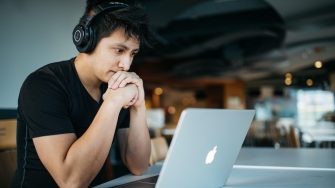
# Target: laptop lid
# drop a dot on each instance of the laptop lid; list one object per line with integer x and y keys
{"x": 204, "y": 147}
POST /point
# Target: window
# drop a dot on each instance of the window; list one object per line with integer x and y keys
{"x": 312, "y": 104}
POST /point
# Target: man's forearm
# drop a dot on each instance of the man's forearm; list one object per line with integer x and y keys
{"x": 138, "y": 145}
{"x": 87, "y": 155}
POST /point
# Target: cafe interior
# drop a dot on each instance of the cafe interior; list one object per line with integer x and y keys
{"x": 274, "y": 56}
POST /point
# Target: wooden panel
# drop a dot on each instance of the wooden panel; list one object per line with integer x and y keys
{"x": 234, "y": 96}
{"x": 7, "y": 134}
{"x": 7, "y": 166}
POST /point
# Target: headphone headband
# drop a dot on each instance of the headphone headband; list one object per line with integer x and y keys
{"x": 105, "y": 7}
{"x": 83, "y": 34}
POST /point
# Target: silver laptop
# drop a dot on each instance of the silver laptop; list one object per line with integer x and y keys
{"x": 203, "y": 150}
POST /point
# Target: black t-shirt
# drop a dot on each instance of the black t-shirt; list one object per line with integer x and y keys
{"x": 53, "y": 101}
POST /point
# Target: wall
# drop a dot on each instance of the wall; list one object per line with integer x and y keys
{"x": 33, "y": 33}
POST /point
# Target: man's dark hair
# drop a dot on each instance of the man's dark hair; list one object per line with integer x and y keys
{"x": 132, "y": 19}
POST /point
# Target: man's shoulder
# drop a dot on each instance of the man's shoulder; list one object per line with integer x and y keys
{"x": 54, "y": 68}
{"x": 51, "y": 80}
{"x": 50, "y": 75}
{"x": 51, "y": 71}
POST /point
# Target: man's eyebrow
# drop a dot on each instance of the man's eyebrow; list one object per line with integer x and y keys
{"x": 120, "y": 45}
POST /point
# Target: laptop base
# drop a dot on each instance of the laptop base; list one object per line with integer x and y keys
{"x": 143, "y": 183}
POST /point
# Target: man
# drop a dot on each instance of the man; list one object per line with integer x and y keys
{"x": 70, "y": 112}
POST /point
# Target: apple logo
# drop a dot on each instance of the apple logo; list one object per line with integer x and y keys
{"x": 211, "y": 155}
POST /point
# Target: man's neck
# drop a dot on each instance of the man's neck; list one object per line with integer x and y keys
{"x": 88, "y": 79}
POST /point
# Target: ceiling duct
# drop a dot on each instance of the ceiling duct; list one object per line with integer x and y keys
{"x": 227, "y": 31}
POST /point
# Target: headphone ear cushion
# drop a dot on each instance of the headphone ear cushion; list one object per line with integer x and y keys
{"x": 91, "y": 42}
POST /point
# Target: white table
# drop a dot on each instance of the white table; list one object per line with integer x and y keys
{"x": 319, "y": 134}
{"x": 287, "y": 157}
{"x": 265, "y": 167}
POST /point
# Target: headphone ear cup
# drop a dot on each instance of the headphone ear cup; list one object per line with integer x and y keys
{"x": 83, "y": 38}
{"x": 79, "y": 37}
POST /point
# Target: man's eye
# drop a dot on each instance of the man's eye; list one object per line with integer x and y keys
{"x": 118, "y": 51}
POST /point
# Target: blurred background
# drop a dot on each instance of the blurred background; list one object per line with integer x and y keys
{"x": 274, "y": 56}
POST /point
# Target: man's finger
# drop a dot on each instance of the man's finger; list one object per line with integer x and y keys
{"x": 118, "y": 81}
{"x": 113, "y": 79}
{"x": 127, "y": 81}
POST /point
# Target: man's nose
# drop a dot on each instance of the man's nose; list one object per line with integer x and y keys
{"x": 125, "y": 63}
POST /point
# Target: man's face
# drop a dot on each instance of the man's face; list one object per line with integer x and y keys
{"x": 113, "y": 53}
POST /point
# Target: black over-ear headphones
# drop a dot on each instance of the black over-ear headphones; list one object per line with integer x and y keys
{"x": 83, "y": 35}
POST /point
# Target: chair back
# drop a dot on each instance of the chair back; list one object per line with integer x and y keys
{"x": 159, "y": 149}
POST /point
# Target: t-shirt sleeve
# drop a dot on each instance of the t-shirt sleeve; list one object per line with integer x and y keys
{"x": 45, "y": 106}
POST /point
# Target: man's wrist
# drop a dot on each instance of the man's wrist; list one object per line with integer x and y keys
{"x": 137, "y": 108}
{"x": 114, "y": 103}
